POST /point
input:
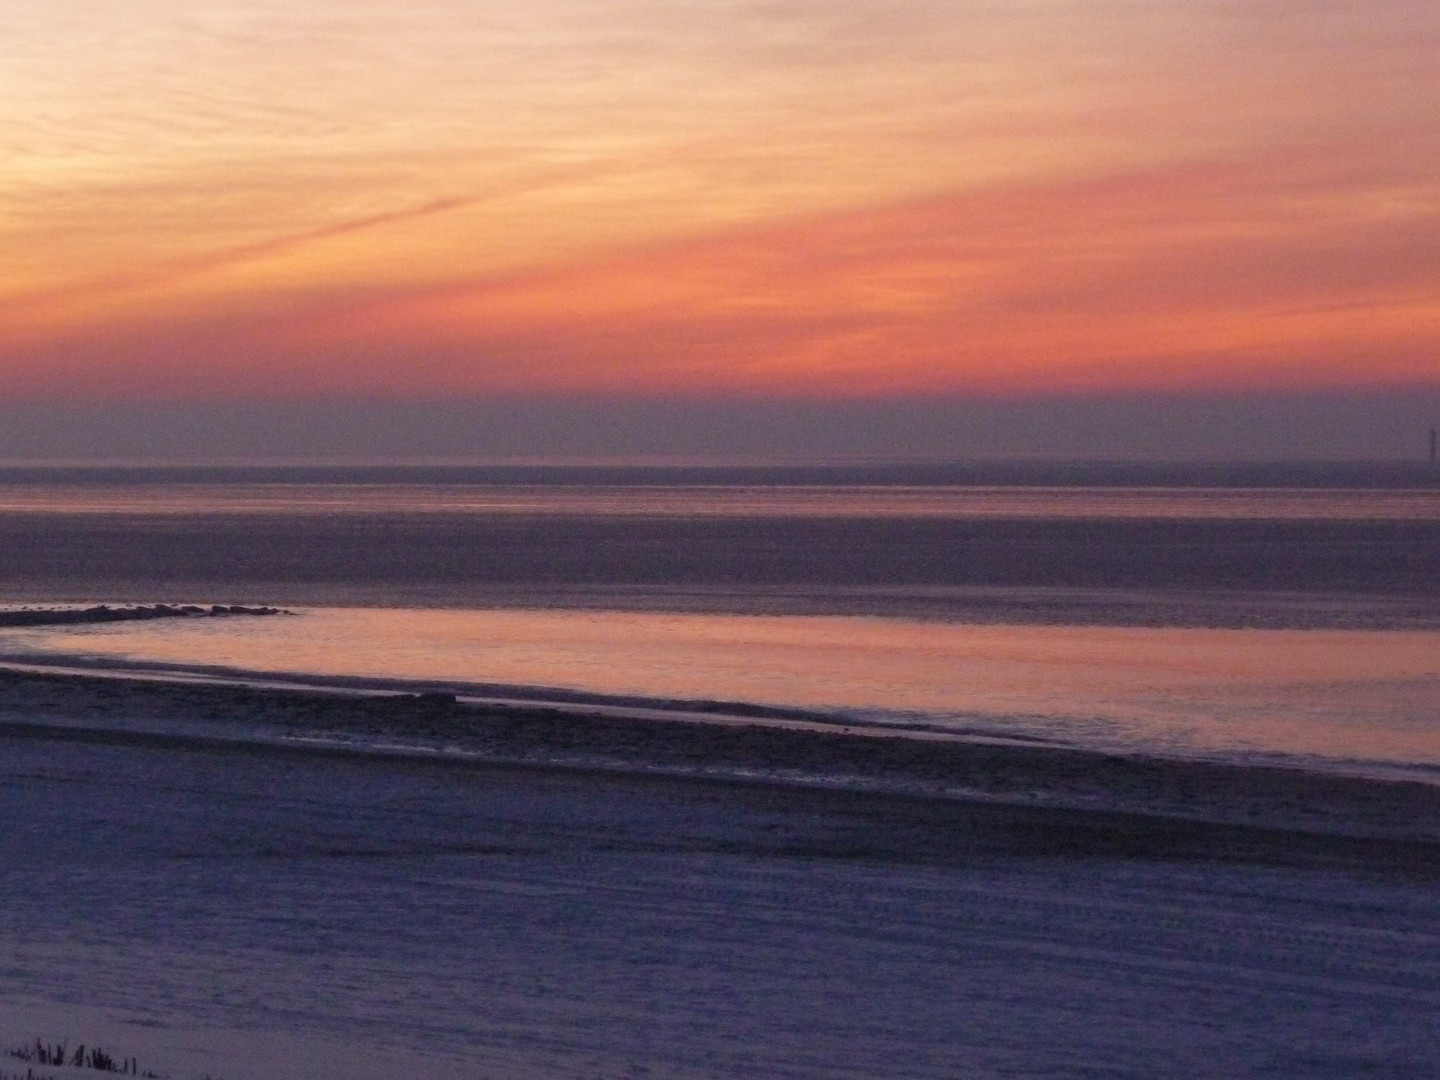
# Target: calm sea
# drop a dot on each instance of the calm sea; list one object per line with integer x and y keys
{"x": 1277, "y": 612}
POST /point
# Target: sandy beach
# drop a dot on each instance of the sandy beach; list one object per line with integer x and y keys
{"x": 263, "y": 884}
{"x": 1035, "y": 798}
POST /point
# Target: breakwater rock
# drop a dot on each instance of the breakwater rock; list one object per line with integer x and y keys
{"x": 104, "y": 613}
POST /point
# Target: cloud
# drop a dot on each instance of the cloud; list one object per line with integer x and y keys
{"x": 1290, "y": 269}
{"x": 179, "y": 269}
{"x": 1155, "y": 276}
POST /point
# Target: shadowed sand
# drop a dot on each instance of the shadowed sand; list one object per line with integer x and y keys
{"x": 896, "y": 798}
{"x": 275, "y": 884}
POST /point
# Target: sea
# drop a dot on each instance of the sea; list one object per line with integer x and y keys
{"x": 249, "y": 915}
{"x": 1200, "y": 611}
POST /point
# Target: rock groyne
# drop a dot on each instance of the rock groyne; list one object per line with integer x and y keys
{"x": 104, "y": 613}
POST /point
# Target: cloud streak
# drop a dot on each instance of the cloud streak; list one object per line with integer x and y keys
{"x": 1282, "y": 271}
{"x": 176, "y": 271}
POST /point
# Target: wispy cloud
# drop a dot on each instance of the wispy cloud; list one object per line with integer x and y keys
{"x": 154, "y": 273}
{"x": 1284, "y": 270}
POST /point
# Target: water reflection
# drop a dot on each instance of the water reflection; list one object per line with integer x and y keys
{"x": 1361, "y": 695}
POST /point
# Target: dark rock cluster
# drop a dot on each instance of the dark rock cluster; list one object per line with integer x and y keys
{"x": 104, "y": 613}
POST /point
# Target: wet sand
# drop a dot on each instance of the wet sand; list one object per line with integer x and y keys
{"x": 896, "y": 798}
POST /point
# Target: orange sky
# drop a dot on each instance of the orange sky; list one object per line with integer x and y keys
{"x": 785, "y": 198}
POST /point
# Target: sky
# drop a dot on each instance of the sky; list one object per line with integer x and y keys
{"x": 631, "y": 215}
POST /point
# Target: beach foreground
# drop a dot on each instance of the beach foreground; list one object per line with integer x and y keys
{"x": 1151, "y": 796}
{"x": 571, "y": 898}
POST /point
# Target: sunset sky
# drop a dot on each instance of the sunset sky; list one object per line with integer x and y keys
{"x": 790, "y": 204}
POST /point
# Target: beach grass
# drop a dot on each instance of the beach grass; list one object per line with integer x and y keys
{"x": 80, "y": 1056}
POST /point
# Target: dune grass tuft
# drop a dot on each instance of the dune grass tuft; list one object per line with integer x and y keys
{"x": 81, "y": 1057}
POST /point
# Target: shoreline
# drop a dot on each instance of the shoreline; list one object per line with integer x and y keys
{"x": 879, "y": 702}
{"x": 1164, "y": 807}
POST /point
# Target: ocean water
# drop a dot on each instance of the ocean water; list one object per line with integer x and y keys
{"x": 1239, "y": 621}
{"x": 1184, "y": 552}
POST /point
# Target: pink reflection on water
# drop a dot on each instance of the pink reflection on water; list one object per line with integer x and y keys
{"x": 1361, "y": 695}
